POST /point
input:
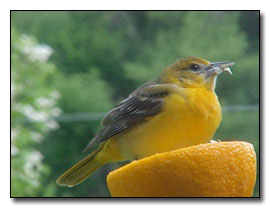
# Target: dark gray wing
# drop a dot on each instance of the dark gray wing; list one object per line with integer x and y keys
{"x": 142, "y": 103}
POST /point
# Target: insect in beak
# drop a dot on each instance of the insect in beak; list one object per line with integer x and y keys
{"x": 217, "y": 68}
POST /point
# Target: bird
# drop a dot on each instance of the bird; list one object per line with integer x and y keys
{"x": 178, "y": 109}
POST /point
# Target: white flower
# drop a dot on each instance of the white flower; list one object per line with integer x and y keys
{"x": 14, "y": 134}
{"x": 56, "y": 111}
{"x": 37, "y": 137}
{"x": 34, "y": 115}
{"x": 52, "y": 125}
{"x": 14, "y": 150}
{"x": 45, "y": 102}
{"x": 55, "y": 94}
{"x": 12, "y": 89}
{"x": 36, "y": 52}
{"x": 33, "y": 164}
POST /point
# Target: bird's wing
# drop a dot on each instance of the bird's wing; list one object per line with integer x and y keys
{"x": 143, "y": 103}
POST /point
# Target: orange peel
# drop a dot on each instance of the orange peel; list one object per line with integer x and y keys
{"x": 220, "y": 169}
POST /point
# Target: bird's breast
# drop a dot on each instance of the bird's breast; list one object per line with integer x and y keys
{"x": 185, "y": 120}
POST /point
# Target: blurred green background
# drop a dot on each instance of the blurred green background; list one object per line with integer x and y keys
{"x": 69, "y": 68}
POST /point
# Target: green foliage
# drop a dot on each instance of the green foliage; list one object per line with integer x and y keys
{"x": 80, "y": 92}
{"x": 103, "y": 56}
{"x": 33, "y": 100}
{"x": 88, "y": 86}
{"x": 220, "y": 42}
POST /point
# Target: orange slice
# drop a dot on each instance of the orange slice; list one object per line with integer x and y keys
{"x": 221, "y": 169}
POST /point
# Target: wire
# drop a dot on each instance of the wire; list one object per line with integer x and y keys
{"x": 82, "y": 116}
{"x": 241, "y": 107}
{"x": 97, "y": 116}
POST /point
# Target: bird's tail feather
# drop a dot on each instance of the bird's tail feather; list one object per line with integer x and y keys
{"x": 81, "y": 170}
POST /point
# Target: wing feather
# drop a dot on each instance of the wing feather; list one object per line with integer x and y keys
{"x": 140, "y": 105}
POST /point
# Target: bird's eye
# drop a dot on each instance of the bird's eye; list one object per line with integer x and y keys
{"x": 194, "y": 67}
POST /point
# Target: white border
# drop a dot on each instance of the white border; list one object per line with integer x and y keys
{"x": 133, "y": 5}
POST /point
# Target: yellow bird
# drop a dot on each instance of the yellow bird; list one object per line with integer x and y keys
{"x": 178, "y": 109}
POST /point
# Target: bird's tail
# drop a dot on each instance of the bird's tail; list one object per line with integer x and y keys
{"x": 81, "y": 170}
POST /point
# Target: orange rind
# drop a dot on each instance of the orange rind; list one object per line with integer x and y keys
{"x": 220, "y": 169}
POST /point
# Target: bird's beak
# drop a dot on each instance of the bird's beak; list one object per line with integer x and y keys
{"x": 217, "y": 68}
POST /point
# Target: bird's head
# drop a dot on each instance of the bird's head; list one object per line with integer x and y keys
{"x": 195, "y": 72}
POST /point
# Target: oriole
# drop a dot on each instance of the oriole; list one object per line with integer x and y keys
{"x": 176, "y": 110}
